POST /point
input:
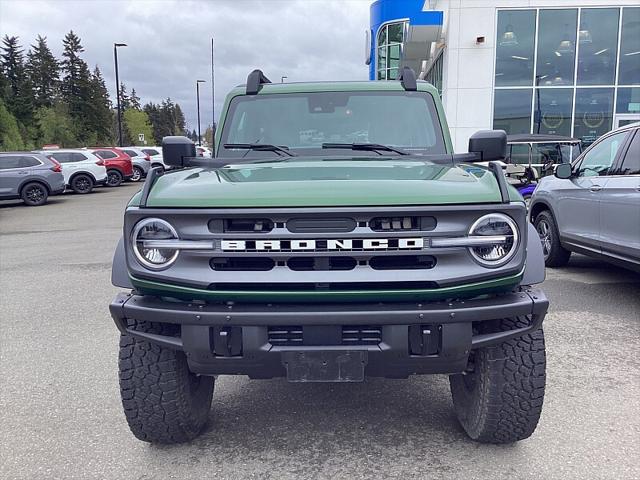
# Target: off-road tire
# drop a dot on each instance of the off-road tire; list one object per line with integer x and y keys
{"x": 138, "y": 174}
{"x": 34, "y": 194}
{"x": 82, "y": 184}
{"x": 500, "y": 400}
{"x": 555, "y": 255}
{"x": 163, "y": 401}
{"x": 114, "y": 178}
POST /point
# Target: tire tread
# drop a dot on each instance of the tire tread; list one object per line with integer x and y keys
{"x": 154, "y": 386}
{"x": 508, "y": 402}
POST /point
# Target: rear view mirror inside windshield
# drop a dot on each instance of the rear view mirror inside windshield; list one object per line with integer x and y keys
{"x": 327, "y": 102}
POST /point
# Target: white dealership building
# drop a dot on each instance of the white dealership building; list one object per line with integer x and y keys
{"x": 561, "y": 67}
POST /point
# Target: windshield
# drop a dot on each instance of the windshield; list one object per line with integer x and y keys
{"x": 303, "y": 122}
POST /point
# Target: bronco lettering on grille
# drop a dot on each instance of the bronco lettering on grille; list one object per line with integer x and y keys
{"x": 323, "y": 245}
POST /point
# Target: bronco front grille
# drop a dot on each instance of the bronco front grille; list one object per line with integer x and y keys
{"x": 331, "y": 335}
{"x": 319, "y": 250}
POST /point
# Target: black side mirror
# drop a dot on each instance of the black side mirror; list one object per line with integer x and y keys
{"x": 564, "y": 171}
{"x": 177, "y": 150}
{"x": 489, "y": 145}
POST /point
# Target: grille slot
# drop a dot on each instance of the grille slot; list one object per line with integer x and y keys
{"x": 240, "y": 225}
{"x": 321, "y": 263}
{"x": 402, "y": 262}
{"x": 361, "y": 335}
{"x": 310, "y": 335}
{"x": 396, "y": 224}
{"x": 240, "y": 264}
{"x": 285, "y": 336}
{"x": 321, "y": 225}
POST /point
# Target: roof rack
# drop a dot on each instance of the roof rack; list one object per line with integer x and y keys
{"x": 407, "y": 78}
{"x": 255, "y": 80}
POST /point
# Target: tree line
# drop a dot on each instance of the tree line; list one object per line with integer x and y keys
{"x": 46, "y": 100}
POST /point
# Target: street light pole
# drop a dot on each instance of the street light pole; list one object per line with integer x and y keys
{"x": 198, "y": 82}
{"x": 213, "y": 97}
{"x": 115, "y": 59}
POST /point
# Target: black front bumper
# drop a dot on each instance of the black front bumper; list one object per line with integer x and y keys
{"x": 234, "y": 338}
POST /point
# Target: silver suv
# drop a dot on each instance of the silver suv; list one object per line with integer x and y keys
{"x": 592, "y": 206}
{"x": 29, "y": 176}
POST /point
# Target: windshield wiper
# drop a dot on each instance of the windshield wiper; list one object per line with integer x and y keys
{"x": 260, "y": 147}
{"x": 371, "y": 147}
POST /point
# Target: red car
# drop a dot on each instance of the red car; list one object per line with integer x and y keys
{"x": 118, "y": 163}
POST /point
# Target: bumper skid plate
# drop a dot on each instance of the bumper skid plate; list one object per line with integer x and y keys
{"x": 415, "y": 338}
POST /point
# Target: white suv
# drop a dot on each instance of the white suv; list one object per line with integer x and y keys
{"x": 82, "y": 170}
{"x": 156, "y": 156}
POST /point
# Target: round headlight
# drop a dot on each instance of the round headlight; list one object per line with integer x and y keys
{"x": 505, "y": 231}
{"x": 148, "y": 236}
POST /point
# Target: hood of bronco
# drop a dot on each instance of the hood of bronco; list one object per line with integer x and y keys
{"x": 326, "y": 182}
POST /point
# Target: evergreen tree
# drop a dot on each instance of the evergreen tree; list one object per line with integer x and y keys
{"x": 125, "y": 102}
{"x": 153, "y": 112}
{"x": 10, "y": 137}
{"x": 166, "y": 119}
{"x": 19, "y": 99}
{"x": 4, "y": 85}
{"x": 77, "y": 88}
{"x": 134, "y": 100}
{"x": 101, "y": 116}
{"x": 181, "y": 123}
{"x": 209, "y": 134}
{"x": 43, "y": 71}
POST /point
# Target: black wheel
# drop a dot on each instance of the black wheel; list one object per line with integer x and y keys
{"x": 82, "y": 183}
{"x": 499, "y": 399}
{"x": 163, "y": 401}
{"x": 554, "y": 254}
{"x": 114, "y": 178}
{"x": 159, "y": 165}
{"x": 138, "y": 173}
{"x": 34, "y": 194}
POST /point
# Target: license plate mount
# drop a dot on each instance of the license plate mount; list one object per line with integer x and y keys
{"x": 325, "y": 366}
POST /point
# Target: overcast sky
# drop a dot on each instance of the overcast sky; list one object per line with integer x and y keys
{"x": 169, "y": 42}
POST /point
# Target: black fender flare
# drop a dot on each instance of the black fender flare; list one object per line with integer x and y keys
{"x": 119, "y": 271}
{"x": 534, "y": 270}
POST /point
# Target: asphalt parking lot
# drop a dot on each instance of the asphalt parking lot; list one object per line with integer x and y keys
{"x": 60, "y": 412}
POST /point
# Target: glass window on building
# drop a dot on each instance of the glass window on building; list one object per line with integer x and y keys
{"x": 389, "y": 50}
{"x": 628, "y": 100}
{"x": 512, "y": 110}
{"x": 556, "y": 47}
{"x": 597, "y": 46}
{"x": 593, "y": 114}
{"x": 514, "y": 47}
{"x": 629, "y": 68}
{"x": 552, "y": 111}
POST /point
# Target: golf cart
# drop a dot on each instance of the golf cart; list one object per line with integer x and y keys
{"x": 532, "y": 156}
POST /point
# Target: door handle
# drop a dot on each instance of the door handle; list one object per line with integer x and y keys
{"x": 595, "y": 188}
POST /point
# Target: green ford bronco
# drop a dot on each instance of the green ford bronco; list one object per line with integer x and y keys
{"x": 334, "y": 235}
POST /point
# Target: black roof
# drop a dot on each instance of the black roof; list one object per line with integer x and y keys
{"x": 540, "y": 138}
